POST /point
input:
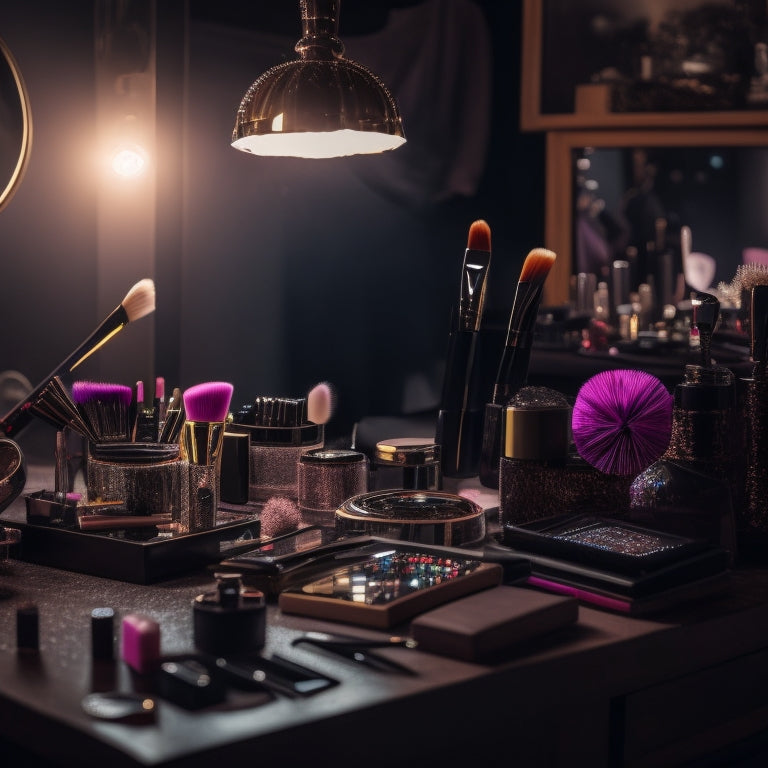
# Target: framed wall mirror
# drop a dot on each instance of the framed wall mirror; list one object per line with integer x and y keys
{"x": 610, "y": 63}
{"x": 605, "y": 190}
{"x": 15, "y": 125}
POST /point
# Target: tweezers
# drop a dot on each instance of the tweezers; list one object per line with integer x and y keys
{"x": 358, "y": 649}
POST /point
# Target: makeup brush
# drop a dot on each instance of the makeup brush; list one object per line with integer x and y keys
{"x": 622, "y": 421}
{"x": 56, "y": 407}
{"x": 174, "y": 417}
{"x": 460, "y": 418}
{"x": 321, "y": 402}
{"x": 139, "y": 301}
{"x": 106, "y": 407}
{"x": 202, "y": 435}
{"x": 515, "y": 358}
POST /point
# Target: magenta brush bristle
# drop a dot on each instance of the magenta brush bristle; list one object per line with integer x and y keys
{"x": 622, "y": 421}
{"x": 90, "y": 391}
{"x": 208, "y": 402}
{"x": 105, "y": 407}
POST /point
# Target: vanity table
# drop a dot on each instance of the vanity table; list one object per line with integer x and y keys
{"x": 610, "y": 690}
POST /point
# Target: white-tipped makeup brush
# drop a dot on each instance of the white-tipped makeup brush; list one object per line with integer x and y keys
{"x": 139, "y": 301}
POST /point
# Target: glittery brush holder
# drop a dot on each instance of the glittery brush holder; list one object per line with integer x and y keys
{"x": 146, "y": 478}
{"x": 201, "y": 443}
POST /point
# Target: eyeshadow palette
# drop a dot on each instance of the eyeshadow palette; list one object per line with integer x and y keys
{"x": 390, "y": 586}
{"x": 602, "y": 542}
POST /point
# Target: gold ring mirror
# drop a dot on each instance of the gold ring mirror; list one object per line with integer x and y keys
{"x": 15, "y": 125}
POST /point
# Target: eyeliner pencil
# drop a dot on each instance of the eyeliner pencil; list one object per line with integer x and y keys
{"x": 515, "y": 359}
{"x": 460, "y": 419}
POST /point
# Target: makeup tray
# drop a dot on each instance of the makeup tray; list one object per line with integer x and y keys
{"x": 140, "y": 556}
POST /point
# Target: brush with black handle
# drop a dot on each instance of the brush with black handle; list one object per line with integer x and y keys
{"x": 460, "y": 418}
{"x": 515, "y": 358}
{"x": 139, "y": 301}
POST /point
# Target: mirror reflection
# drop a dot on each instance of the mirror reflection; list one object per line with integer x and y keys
{"x": 15, "y": 127}
{"x": 704, "y": 205}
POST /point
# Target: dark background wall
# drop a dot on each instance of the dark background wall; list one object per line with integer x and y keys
{"x": 271, "y": 273}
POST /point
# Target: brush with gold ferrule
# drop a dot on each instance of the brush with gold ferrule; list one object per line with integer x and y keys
{"x": 515, "y": 359}
{"x": 139, "y": 301}
{"x": 460, "y": 418}
{"x": 202, "y": 435}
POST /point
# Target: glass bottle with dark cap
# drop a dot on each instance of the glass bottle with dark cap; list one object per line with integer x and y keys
{"x": 692, "y": 489}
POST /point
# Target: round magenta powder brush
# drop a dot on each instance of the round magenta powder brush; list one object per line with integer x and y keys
{"x": 208, "y": 401}
{"x": 622, "y": 421}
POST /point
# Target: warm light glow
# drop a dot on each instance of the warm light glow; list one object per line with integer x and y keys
{"x": 277, "y": 123}
{"x": 128, "y": 162}
{"x": 319, "y": 144}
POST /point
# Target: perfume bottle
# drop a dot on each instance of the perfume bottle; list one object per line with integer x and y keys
{"x": 691, "y": 490}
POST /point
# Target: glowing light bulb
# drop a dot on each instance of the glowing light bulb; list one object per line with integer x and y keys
{"x": 129, "y": 162}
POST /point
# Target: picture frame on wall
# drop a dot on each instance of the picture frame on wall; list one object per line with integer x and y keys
{"x": 613, "y": 64}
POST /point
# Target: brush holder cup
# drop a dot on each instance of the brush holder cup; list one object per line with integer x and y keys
{"x": 146, "y": 477}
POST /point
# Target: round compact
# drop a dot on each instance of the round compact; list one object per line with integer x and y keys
{"x": 426, "y": 517}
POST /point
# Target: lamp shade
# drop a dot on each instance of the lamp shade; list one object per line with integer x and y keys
{"x": 320, "y": 105}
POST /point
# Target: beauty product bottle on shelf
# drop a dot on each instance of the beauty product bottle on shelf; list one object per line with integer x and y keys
{"x": 693, "y": 488}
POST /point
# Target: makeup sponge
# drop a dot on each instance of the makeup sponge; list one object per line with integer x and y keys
{"x": 279, "y": 515}
{"x": 622, "y": 421}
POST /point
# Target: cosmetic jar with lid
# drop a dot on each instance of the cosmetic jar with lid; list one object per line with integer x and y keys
{"x": 279, "y": 435}
{"x": 411, "y": 463}
{"x": 425, "y": 517}
{"x": 540, "y": 475}
{"x": 326, "y": 478}
{"x": 146, "y": 477}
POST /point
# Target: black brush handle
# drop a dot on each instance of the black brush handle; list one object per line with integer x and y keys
{"x": 490, "y": 451}
{"x": 460, "y": 420}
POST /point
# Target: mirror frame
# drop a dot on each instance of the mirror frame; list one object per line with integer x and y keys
{"x": 558, "y": 219}
{"x": 594, "y": 113}
{"x": 7, "y": 192}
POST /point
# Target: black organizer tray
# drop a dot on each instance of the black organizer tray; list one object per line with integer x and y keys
{"x": 119, "y": 556}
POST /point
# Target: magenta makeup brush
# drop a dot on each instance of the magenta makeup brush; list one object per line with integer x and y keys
{"x": 622, "y": 421}
{"x": 106, "y": 406}
{"x": 202, "y": 435}
{"x": 138, "y": 302}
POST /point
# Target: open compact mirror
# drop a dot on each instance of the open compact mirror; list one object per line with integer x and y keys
{"x": 13, "y": 472}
